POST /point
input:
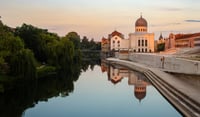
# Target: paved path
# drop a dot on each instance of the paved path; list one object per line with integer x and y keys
{"x": 184, "y": 91}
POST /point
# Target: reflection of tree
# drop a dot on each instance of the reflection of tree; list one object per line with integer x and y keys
{"x": 13, "y": 102}
{"x": 20, "y": 95}
{"x": 90, "y": 63}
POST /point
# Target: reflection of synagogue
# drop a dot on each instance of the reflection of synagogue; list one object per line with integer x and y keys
{"x": 140, "y": 83}
{"x": 117, "y": 73}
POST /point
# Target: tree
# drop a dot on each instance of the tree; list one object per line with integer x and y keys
{"x": 75, "y": 38}
{"x": 36, "y": 39}
{"x": 90, "y": 45}
{"x": 21, "y": 61}
{"x": 161, "y": 47}
{"x": 85, "y": 43}
{"x": 23, "y": 64}
{"x": 98, "y": 46}
{"x": 9, "y": 45}
{"x": 65, "y": 53}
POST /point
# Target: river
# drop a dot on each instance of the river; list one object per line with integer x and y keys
{"x": 100, "y": 91}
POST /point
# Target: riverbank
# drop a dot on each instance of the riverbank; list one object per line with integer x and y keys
{"x": 184, "y": 96}
{"x": 167, "y": 63}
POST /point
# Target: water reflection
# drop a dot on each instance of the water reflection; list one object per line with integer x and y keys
{"x": 94, "y": 94}
{"x": 117, "y": 73}
{"x": 20, "y": 95}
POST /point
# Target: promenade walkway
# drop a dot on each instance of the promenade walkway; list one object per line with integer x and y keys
{"x": 182, "y": 94}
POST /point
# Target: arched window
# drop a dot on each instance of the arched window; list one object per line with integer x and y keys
{"x": 139, "y": 50}
{"x": 145, "y": 49}
{"x": 142, "y": 50}
{"x": 113, "y": 41}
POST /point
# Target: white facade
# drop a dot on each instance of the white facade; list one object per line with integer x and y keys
{"x": 139, "y": 41}
{"x": 117, "y": 43}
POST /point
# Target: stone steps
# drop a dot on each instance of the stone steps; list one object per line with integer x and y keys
{"x": 188, "y": 106}
{"x": 182, "y": 102}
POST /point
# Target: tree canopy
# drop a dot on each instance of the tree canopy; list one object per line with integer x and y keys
{"x": 27, "y": 47}
{"x": 87, "y": 44}
{"x": 14, "y": 56}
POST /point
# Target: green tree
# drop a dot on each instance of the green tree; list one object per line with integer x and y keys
{"x": 85, "y": 43}
{"x": 9, "y": 46}
{"x": 161, "y": 47}
{"x": 36, "y": 39}
{"x": 75, "y": 38}
{"x": 98, "y": 46}
{"x": 65, "y": 53}
{"x": 21, "y": 61}
{"x": 23, "y": 64}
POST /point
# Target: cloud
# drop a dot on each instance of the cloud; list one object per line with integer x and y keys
{"x": 170, "y": 9}
{"x": 163, "y": 25}
{"x": 191, "y": 20}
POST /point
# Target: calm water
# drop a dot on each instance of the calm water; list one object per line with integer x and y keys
{"x": 105, "y": 91}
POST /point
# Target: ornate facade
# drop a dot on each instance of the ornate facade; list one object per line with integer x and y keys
{"x": 139, "y": 41}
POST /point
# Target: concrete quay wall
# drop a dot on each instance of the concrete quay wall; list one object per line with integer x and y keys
{"x": 182, "y": 95}
{"x": 167, "y": 63}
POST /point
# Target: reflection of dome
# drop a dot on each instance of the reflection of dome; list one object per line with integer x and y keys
{"x": 141, "y": 22}
{"x": 140, "y": 92}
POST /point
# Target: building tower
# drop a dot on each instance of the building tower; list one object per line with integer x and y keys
{"x": 141, "y": 25}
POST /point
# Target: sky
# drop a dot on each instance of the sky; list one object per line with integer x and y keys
{"x": 98, "y": 18}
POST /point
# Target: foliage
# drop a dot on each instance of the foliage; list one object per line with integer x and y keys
{"x": 65, "y": 53}
{"x": 90, "y": 45}
{"x": 36, "y": 39}
{"x": 27, "y": 45}
{"x": 74, "y": 38}
{"x": 161, "y": 47}
{"x": 45, "y": 71}
{"x": 23, "y": 64}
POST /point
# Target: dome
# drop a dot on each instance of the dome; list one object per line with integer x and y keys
{"x": 141, "y": 22}
{"x": 140, "y": 90}
{"x": 140, "y": 95}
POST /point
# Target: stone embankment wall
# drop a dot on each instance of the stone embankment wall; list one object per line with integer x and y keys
{"x": 122, "y": 56}
{"x": 167, "y": 63}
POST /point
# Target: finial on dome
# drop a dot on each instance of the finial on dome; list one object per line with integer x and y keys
{"x": 141, "y": 14}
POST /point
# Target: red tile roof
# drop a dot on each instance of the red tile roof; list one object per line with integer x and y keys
{"x": 181, "y": 36}
{"x": 104, "y": 41}
{"x": 114, "y": 33}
